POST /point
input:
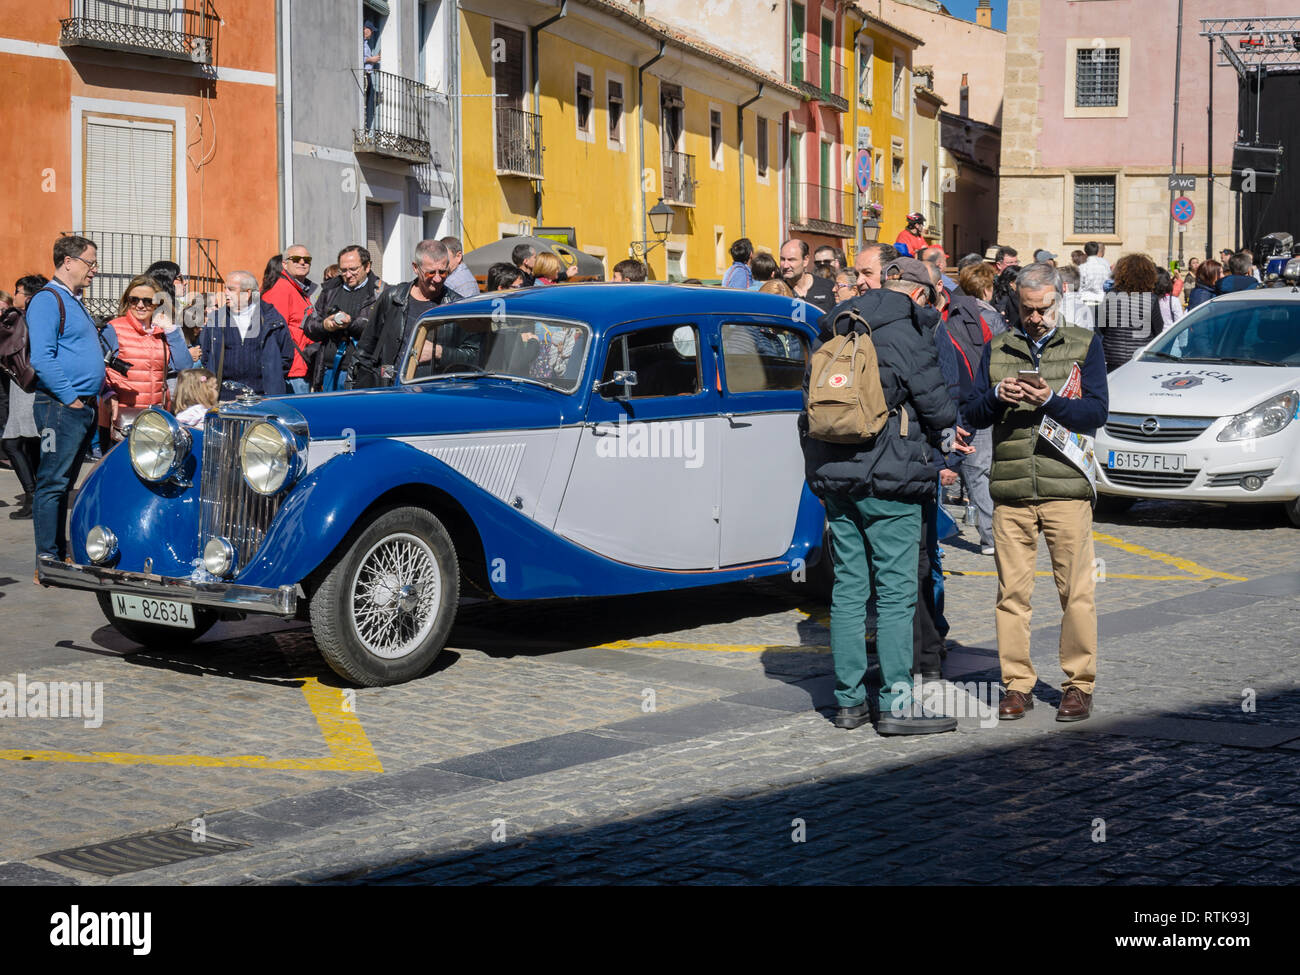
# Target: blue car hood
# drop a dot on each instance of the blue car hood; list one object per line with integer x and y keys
{"x": 440, "y": 407}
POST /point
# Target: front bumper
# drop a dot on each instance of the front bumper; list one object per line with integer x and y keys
{"x": 281, "y": 602}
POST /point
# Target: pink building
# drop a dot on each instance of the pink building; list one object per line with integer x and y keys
{"x": 1087, "y": 124}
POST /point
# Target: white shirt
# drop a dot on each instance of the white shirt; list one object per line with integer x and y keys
{"x": 244, "y": 321}
{"x": 1171, "y": 310}
{"x": 1093, "y": 274}
{"x": 1076, "y": 311}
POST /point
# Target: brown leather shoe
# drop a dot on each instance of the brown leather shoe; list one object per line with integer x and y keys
{"x": 1075, "y": 705}
{"x": 1014, "y": 705}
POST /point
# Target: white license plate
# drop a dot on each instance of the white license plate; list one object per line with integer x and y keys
{"x": 1123, "y": 460}
{"x": 165, "y": 612}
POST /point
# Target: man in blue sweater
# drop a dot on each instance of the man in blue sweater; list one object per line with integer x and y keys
{"x": 69, "y": 363}
{"x": 1036, "y": 488}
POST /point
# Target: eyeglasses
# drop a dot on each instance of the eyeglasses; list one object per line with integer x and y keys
{"x": 90, "y": 264}
{"x": 137, "y": 300}
{"x": 830, "y": 263}
{"x": 437, "y": 272}
{"x": 298, "y": 260}
{"x": 844, "y": 287}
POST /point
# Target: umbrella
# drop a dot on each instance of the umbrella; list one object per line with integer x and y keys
{"x": 481, "y": 258}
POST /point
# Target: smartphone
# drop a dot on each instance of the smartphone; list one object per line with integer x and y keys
{"x": 1031, "y": 375}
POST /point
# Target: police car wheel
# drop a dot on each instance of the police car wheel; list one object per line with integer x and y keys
{"x": 382, "y": 613}
{"x": 154, "y": 636}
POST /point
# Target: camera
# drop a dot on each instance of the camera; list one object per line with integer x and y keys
{"x": 115, "y": 362}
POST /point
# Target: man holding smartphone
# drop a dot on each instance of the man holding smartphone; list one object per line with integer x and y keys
{"x": 1036, "y": 489}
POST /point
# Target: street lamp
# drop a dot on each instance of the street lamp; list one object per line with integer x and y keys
{"x": 661, "y": 222}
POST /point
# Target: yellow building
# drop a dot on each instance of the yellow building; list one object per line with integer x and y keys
{"x": 581, "y": 117}
{"x": 884, "y": 117}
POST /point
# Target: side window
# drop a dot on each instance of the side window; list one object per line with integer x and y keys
{"x": 763, "y": 357}
{"x": 666, "y": 361}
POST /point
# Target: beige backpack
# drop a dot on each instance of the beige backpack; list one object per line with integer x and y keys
{"x": 845, "y": 401}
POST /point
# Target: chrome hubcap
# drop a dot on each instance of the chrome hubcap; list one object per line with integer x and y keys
{"x": 395, "y": 595}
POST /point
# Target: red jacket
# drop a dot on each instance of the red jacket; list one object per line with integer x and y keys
{"x": 291, "y": 301}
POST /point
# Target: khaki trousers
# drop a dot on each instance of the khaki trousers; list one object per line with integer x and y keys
{"x": 1067, "y": 526}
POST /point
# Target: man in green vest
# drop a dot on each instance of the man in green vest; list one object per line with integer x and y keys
{"x": 1036, "y": 489}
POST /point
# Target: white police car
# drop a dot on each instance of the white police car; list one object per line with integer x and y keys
{"x": 1207, "y": 410}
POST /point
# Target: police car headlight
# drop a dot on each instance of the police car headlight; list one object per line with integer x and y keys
{"x": 1266, "y": 419}
{"x": 268, "y": 457}
{"x": 157, "y": 445}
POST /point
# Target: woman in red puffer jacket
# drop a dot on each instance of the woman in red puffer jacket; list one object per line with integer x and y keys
{"x": 143, "y": 340}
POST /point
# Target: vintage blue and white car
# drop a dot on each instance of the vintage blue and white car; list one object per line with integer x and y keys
{"x": 582, "y": 440}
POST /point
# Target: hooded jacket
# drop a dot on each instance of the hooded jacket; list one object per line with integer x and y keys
{"x": 889, "y": 465}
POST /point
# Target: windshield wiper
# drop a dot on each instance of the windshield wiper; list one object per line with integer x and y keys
{"x": 1247, "y": 362}
{"x": 1165, "y": 355}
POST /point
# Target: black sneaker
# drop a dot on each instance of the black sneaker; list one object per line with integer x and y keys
{"x": 854, "y": 717}
{"x": 22, "y": 514}
{"x": 916, "y": 720}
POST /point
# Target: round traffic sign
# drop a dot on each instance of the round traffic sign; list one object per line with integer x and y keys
{"x": 1183, "y": 209}
{"x": 864, "y": 170}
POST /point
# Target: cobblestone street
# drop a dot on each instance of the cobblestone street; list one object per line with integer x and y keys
{"x": 681, "y": 738}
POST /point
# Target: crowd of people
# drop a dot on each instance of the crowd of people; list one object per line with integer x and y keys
{"x": 974, "y": 358}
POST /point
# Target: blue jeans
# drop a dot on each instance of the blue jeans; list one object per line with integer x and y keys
{"x": 298, "y": 386}
{"x": 874, "y": 543}
{"x": 65, "y": 435}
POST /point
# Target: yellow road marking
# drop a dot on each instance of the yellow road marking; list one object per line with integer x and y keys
{"x": 350, "y": 748}
{"x": 1109, "y": 575}
{"x": 710, "y": 647}
{"x": 1187, "y": 565}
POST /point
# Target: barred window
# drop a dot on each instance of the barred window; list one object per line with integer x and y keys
{"x": 1094, "y": 205}
{"x": 1096, "y": 77}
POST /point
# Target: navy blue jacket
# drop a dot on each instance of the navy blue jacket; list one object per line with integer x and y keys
{"x": 274, "y": 351}
{"x": 1083, "y": 415}
{"x": 887, "y": 466}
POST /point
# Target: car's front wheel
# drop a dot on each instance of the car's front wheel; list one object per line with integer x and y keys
{"x": 155, "y": 636}
{"x": 1293, "y": 511}
{"x": 382, "y": 613}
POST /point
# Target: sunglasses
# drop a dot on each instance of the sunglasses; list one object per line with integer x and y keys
{"x": 298, "y": 260}
{"x": 830, "y": 263}
{"x": 439, "y": 272}
{"x": 146, "y": 302}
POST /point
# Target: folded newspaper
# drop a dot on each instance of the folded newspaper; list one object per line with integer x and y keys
{"x": 1075, "y": 447}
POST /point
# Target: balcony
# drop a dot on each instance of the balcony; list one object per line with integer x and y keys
{"x": 122, "y": 256}
{"x": 395, "y": 116}
{"x": 933, "y": 219}
{"x": 519, "y": 143}
{"x": 184, "y": 30}
{"x": 821, "y": 78}
{"x": 679, "y": 178}
{"x": 819, "y": 209}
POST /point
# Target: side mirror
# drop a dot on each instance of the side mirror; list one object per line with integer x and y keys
{"x": 622, "y": 377}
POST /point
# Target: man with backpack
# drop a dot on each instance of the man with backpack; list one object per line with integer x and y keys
{"x": 875, "y": 402}
{"x": 69, "y": 363}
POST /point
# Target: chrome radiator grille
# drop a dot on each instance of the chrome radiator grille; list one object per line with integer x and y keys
{"x": 228, "y": 507}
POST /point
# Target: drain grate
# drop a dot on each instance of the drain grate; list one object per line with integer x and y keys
{"x": 140, "y": 852}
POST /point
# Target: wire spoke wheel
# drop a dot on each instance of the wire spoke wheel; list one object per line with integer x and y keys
{"x": 382, "y": 613}
{"x": 395, "y": 595}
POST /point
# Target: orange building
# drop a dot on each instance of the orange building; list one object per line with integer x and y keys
{"x": 148, "y": 126}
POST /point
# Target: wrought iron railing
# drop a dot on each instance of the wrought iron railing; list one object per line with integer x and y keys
{"x": 519, "y": 142}
{"x": 395, "y": 116}
{"x": 679, "y": 178}
{"x": 122, "y": 256}
{"x": 182, "y": 29}
{"x": 818, "y": 203}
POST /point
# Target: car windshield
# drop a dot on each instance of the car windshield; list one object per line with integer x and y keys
{"x": 523, "y": 348}
{"x": 1265, "y": 333}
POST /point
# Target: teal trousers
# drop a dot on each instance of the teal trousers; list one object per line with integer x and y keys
{"x": 873, "y": 546}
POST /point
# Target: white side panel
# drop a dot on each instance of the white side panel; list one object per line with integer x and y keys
{"x": 762, "y": 478}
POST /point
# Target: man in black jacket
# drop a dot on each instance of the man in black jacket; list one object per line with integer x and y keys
{"x": 344, "y": 309}
{"x": 873, "y": 493}
{"x": 396, "y": 313}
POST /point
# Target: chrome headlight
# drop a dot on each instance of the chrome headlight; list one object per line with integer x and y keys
{"x": 218, "y": 556}
{"x": 1269, "y": 417}
{"x": 157, "y": 445}
{"x": 268, "y": 456}
{"x": 101, "y": 545}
